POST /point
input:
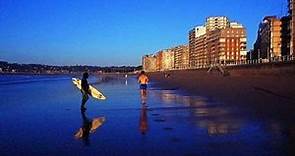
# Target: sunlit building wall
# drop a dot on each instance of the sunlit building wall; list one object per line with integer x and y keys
{"x": 292, "y": 25}
{"x": 181, "y": 56}
{"x": 226, "y": 45}
{"x": 268, "y": 43}
{"x": 167, "y": 59}
{"x": 149, "y": 63}
{"x": 217, "y": 22}
{"x": 219, "y": 41}
{"x": 197, "y": 47}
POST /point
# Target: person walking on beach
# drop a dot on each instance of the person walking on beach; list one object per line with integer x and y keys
{"x": 85, "y": 90}
{"x": 143, "y": 80}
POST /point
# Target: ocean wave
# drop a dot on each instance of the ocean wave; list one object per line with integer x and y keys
{"x": 22, "y": 79}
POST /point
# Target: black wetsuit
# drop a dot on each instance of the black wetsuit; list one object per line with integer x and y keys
{"x": 85, "y": 91}
{"x": 85, "y": 85}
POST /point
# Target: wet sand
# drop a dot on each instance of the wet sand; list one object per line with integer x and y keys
{"x": 266, "y": 90}
{"x": 41, "y": 116}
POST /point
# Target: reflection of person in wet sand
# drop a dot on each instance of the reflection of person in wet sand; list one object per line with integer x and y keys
{"x": 88, "y": 126}
{"x": 143, "y": 123}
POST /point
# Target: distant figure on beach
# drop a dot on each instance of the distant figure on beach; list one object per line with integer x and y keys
{"x": 143, "y": 80}
{"x": 85, "y": 90}
{"x": 166, "y": 75}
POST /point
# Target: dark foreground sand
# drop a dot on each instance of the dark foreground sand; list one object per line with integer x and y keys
{"x": 267, "y": 90}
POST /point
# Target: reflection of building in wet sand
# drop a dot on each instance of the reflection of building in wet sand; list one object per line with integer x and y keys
{"x": 218, "y": 120}
{"x": 169, "y": 97}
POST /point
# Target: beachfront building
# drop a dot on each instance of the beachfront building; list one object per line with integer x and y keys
{"x": 149, "y": 63}
{"x": 218, "y": 42}
{"x": 197, "y": 47}
{"x": 227, "y": 46}
{"x": 217, "y": 22}
{"x": 292, "y": 25}
{"x": 181, "y": 56}
{"x": 268, "y": 43}
{"x": 286, "y": 35}
{"x": 165, "y": 60}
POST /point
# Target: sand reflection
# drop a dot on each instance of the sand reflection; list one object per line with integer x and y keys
{"x": 88, "y": 126}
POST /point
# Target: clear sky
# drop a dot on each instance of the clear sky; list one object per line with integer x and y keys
{"x": 113, "y": 32}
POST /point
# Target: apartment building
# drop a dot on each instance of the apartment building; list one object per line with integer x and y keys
{"x": 292, "y": 25}
{"x": 226, "y": 45}
{"x": 197, "y": 47}
{"x": 181, "y": 56}
{"x": 217, "y": 22}
{"x": 268, "y": 43}
{"x": 219, "y": 41}
{"x": 149, "y": 63}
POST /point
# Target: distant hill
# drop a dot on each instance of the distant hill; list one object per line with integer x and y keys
{"x": 6, "y": 67}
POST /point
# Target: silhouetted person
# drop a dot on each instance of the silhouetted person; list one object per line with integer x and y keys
{"x": 85, "y": 90}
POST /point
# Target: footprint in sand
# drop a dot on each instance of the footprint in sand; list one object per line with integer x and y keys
{"x": 168, "y": 128}
{"x": 175, "y": 139}
{"x": 155, "y": 114}
{"x": 159, "y": 120}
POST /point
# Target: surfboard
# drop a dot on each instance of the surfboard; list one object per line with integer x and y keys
{"x": 94, "y": 92}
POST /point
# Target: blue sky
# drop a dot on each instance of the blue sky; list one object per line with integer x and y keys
{"x": 113, "y": 32}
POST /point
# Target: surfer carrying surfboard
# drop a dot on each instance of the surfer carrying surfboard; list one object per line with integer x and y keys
{"x": 84, "y": 90}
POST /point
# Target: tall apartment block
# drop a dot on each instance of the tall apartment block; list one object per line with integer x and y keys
{"x": 286, "y": 35}
{"x": 149, "y": 63}
{"x": 218, "y": 22}
{"x": 197, "y": 47}
{"x": 218, "y": 41}
{"x": 268, "y": 43}
{"x": 165, "y": 60}
{"x": 227, "y": 45}
{"x": 292, "y": 25}
{"x": 181, "y": 56}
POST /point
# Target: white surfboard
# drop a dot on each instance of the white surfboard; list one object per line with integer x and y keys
{"x": 94, "y": 92}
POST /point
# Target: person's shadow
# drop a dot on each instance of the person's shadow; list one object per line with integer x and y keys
{"x": 88, "y": 126}
{"x": 143, "y": 119}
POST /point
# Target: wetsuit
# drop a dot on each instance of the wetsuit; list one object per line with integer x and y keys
{"x": 85, "y": 91}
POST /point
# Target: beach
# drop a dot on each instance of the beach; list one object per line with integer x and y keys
{"x": 265, "y": 89}
{"x": 41, "y": 116}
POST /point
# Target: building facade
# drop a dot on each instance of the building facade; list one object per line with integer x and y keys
{"x": 292, "y": 25}
{"x": 217, "y": 22}
{"x": 223, "y": 42}
{"x": 286, "y": 35}
{"x": 197, "y": 47}
{"x": 268, "y": 43}
{"x": 149, "y": 63}
{"x": 181, "y": 57}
